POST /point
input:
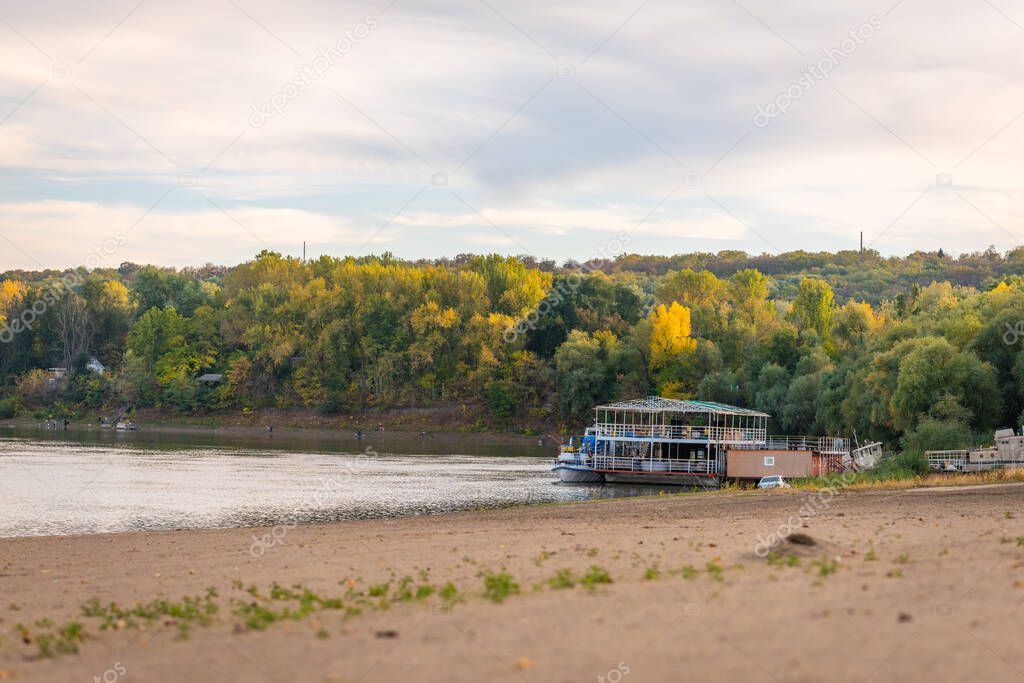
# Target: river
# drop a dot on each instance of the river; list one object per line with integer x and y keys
{"x": 88, "y": 481}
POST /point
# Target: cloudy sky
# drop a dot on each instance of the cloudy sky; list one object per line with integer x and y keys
{"x": 205, "y": 131}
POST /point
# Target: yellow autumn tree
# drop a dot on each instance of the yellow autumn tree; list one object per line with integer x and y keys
{"x": 115, "y": 296}
{"x": 10, "y": 292}
{"x": 670, "y": 333}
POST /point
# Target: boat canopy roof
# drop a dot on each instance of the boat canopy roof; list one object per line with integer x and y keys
{"x": 658, "y": 404}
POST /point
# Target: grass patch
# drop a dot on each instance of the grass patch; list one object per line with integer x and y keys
{"x": 184, "y": 614}
{"x": 688, "y": 572}
{"x": 894, "y": 476}
{"x": 826, "y": 567}
{"x": 777, "y": 560}
{"x": 498, "y": 586}
{"x": 63, "y": 640}
{"x": 563, "y": 579}
{"x": 594, "y": 577}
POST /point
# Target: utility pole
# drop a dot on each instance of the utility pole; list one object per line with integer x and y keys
{"x": 862, "y": 241}
{"x": 304, "y": 249}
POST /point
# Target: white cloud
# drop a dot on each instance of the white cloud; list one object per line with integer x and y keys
{"x": 173, "y": 85}
{"x": 63, "y": 233}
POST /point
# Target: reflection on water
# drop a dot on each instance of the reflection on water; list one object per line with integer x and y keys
{"x": 99, "y": 482}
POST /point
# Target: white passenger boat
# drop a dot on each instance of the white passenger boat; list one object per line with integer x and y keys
{"x": 575, "y": 461}
{"x": 658, "y": 440}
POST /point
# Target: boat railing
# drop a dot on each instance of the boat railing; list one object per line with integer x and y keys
{"x": 682, "y": 432}
{"x": 821, "y": 444}
{"x": 624, "y": 464}
{"x": 943, "y": 460}
{"x": 574, "y": 458}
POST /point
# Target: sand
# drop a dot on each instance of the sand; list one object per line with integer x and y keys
{"x": 941, "y": 601}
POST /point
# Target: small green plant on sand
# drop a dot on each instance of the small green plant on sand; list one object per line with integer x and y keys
{"x": 777, "y": 560}
{"x": 498, "y": 586}
{"x": 688, "y": 572}
{"x": 652, "y": 573}
{"x": 870, "y": 556}
{"x": 826, "y": 567}
{"x": 190, "y": 610}
{"x": 594, "y": 576}
{"x": 715, "y": 571}
{"x": 380, "y": 590}
{"x": 563, "y": 579}
{"x": 449, "y": 595}
{"x": 63, "y": 641}
{"x": 404, "y": 592}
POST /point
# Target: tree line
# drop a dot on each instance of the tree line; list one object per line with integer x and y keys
{"x": 918, "y": 352}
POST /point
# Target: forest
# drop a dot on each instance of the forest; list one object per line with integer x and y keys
{"x": 919, "y": 351}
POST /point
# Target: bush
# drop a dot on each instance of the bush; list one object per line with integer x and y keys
{"x": 8, "y": 408}
{"x": 37, "y": 388}
{"x": 500, "y": 399}
{"x": 90, "y": 389}
{"x": 334, "y": 404}
{"x": 934, "y": 435}
{"x": 905, "y": 465}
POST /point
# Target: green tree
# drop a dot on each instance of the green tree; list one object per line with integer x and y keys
{"x": 584, "y": 374}
{"x": 812, "y": 307}
{"x": 934, "y": 370}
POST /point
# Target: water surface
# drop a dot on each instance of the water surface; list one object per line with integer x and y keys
{"x": 96, "y": 482}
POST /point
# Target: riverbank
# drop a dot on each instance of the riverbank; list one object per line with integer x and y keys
{"x": 909, "y": 585}
{"x": 441, "y": 418}
{"x": 252, "y": 428}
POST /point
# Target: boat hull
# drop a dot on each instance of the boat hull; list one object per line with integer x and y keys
{"x": 576, "y": 474}
{"x": 661, "y": 478}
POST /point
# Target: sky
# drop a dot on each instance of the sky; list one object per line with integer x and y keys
{"x": 196, "y": 132}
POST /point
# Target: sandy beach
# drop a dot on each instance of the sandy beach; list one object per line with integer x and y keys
{"x": 906, "y": 585}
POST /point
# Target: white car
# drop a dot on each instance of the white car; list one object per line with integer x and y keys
{"x": 772, "y": 482}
